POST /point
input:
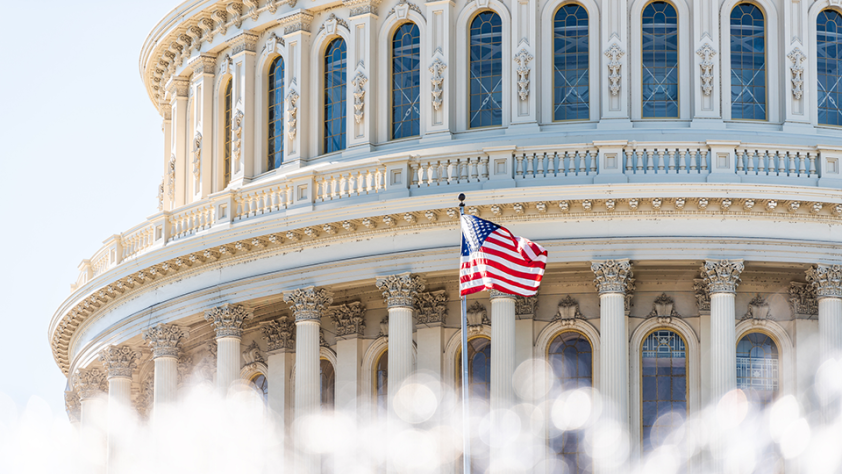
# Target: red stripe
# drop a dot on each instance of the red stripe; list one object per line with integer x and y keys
{"x": 516, "y": 261}
{"x": 500, "y": 267}
{"x": 483, "y": 275}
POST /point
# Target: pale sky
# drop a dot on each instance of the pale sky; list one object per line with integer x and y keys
{"x": 81, "y": 160}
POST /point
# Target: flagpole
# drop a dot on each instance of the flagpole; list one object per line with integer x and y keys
{"x": 466, "y": 419}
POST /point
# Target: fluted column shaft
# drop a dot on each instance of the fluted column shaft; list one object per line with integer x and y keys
{"x": 400, "y": 349}
{"x": 164, "y": 339}
{"x": 227, "y": 321}
{"x": 723, "y": 345}
{"x": 166, "y": 380}
{"x": 502, "y": 398}
{"x": 119, "y": 363}
{"x": 830, "y": 327}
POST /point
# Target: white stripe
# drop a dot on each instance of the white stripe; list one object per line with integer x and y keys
{"x": 491, "y": 281}
{"x": 531, "y": 255}
{"x": 505, "y": 263}
{"x": 492, "y": 271}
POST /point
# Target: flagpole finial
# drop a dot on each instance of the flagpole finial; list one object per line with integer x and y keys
{"x": 461, "y": 198}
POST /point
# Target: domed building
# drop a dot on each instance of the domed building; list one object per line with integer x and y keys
{"x": 680, "y": 161}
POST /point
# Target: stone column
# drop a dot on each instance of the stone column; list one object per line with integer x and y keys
{"x": 91, "y": 386}
{"x": 227, "y": 321}
{"x": 722, "y": 278}
{"x": 73, "y": 407}
{"x": 297, "y": 81}
{"x": 280, "y": 337}
{"x": 119, "y": 362}
{"x": 502, "y": 369}
{"x": 307, "y": 306}
{"x": 163, "y": 339}
{"x": 399, "y": 292}
{"x": 827, "y": 281}
{"x": 201, "y": 137}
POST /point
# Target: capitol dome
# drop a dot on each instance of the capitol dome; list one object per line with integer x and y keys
{"x": 680, "y": 162}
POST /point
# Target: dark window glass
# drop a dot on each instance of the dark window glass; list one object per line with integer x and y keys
{"x": 479, "y": 386}
{"x": 570, "y": 355}
{"x": 227, "y": 162}
{"x": 757, "y": 368}
{"x": 829, "y": 66}
{"x": 335, "y": 91}
{"x": 276, "y": 113}
{"x": 327, "y": 382}
{"x": 748, "y": 63}
{"x": 406, "y": 81}
{"x": 486, "y": 71}
{"x": 660, "y": 61}
{"x": 570, "y": 64}
{"x": 262, "y": 385}
{"x": 663, "y": 362}
{"x": 381, "y": 379}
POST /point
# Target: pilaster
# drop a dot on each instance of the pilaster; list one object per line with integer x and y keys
{"x": 166, "y": 190}
{"x": 706, "y": 62}
{"x": 796, "y": 50}
{"x": 242, "y": 109}
{"x": 362, "y": 74}
{"x": 227, "y": 321}
{"x": 524, "y": 39}
{"x": 297, "y": 86}
{"x": 439, "y": 38}
{"x": 202, "y": 137}
{"x": 615, "y": 67}
{"x": 177, "y": 164}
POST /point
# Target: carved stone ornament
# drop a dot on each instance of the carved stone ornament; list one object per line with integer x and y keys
{"x": 119, "y": 361}
{"x": 797, "y": 70}
{"x": 702, "y": 294}
{"x": 299, "y": 21}
{"x": 90, "y": 383}
{"x": 522, "y": 59}
{"x": 431, "y": 307}
{"x": 758, "y": 310}
{"x": 525, "y": 307}
{"x": 568, "y": 311}
{"x": 663, "y": 309}
{"x": 237, "y": 134}
{"x": 322, "y": 341}
{"x": 72, "y": 406}
{"x": 349, "y": 319}
{"x": 280, "y": 334}
{"x": 437, "y": 81}
{"x": 477, "y": 317}
{"x": 273, "y": 44}
{"x": 802, "y": 300}
{"x": 361, "y": 7}
{"x": 252, "y": 354}
{"x": 161, "y": 195}
{"x": 359, "y": 96}
{"x": 722, "y": 276}
{"x": 163, "y": 339}
{"x": 183, "y": 368}
{"x": 612, "y": 276}
{"x": 401, "y": 10}
{"x": 614, "y": 53}
{"x": 384, "y": 327}
{"x": 292, "y": 113}
{"x": 826, "y": 280}
{"x": 400, "y": 290}
{"x": 236, "y": 11}
{"x": 308, "y": 304}
{"x": 330, "y": 24}
{"x": 706, "y": 52}
{"x": 227, "y": 320}
{"x": 197, "y": 159}
{"x": 171, "y": 176}
{"x": 494, "y": 294}
{"x": 146, "y": 398}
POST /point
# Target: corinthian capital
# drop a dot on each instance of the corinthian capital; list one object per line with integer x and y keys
{"x": 308, "y": 303}
{"x": 613, "y": 276}
{"x": 119, "y": 361}
{"x": 227, "y": 320}
{"x": 89, "y": 383}
{"x": 722, "y": 276}
{"x": 400, "y": 290}
{"x": 827, "y": 280}
{"x": 72, "y": 406}
{"x": 163, "y": 339}
{"x": 280, "y": 334}
{"x": 349, "y": 319}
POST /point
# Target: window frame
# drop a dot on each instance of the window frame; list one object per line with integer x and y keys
{"x": 391, "y": 74}
{"x": 780, "y": 358}
{"x": 639, "y": 88}
{"x": 687, "y": 375}
{"x": 269, "y": 155}
{"x": 765, "y": 60}
{"x": 503, "y": 84}
{"x": 551, "y": 64}
{"x": 322, "y": 72}
{"x": 813, "y": 64}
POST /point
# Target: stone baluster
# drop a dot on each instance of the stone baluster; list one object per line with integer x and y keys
{"x": 164, "y": 339}
{"x": 502, "y": 370}
{"x": 119, "y": 363}
{"x": 308, "y": 305}
{"x": 227, "y": 321}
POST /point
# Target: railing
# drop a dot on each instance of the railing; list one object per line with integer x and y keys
{"x": 578, "y": 163}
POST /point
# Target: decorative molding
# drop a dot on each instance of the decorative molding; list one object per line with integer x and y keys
{"x": 826, "y": 280}
{"x": 614, "y": 53}
{"x": 161, "y": 195}
{"x": 568, "y": 311}
{"x": 400, "y": 290}
{"x": 525, "y": 306}
{"x": 797, "y": 71}
{"x": 203, "y": 64}
{"x": 273, "y": 44}
{"x": 197, "y": 160}
{"x": 308, "y": 303}
{"x": 431, "y": 307}
{"x": 146, "y": 398}
{"x": 252, "y": 355}
{"x": 477, "y": 317}
{"x": 163, "y": 339}
{"x": 90, "y": 383}
{"x": 361, "y": 7}
{"x": 401, "y": 10}
{"x": 359, "y": 96}
{"x": 758, "y": 310}
{"x": 322, "y": 341}
{"x": 227, "y": 320}
{"x": 706, "y": 52}
{"x": 702, "y": 294}
{"x": 522, "y": 59}
{"x": 613, "y": 276}
{"x": 437, "y": 80}
{"x": 297, "y": 22}
{"x": 292, "y": 113}
{"x": 253, "y": 6}
{"x": 119, "y": 361}
{"x": 237, "y": 136}
{"x": 802, "y": 300}
{"x": 184, "y": 367}
{"x": 722, "y": 276}
{"x": 349, "y": 319}
{"x": 279, "y": 334}
{"x": 330, "y": 24}
{"x": 236, "y": 11}
{"x": 663, "y": 309}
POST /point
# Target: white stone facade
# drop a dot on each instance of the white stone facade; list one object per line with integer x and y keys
{"x": 332, "y": 244}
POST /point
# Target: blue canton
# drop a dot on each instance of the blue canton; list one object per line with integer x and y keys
{"x": 474, "y": 233}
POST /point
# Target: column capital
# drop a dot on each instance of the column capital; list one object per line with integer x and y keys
{"x": 279, "y": 334}
{"x": 166, "y": 111}
{"x": 612, "y": 276}
{"x": 89, "y": 383}
{"x": 826, "y": 280}
{"x": 494, "y": 294}
{"x": 349, "y": 319}
{"x": 244, "y": 42}
{"x": 204, "y": 64}
{"x": 163, "y": 339}
{"x": 308, "y": 303}
{"x": 178, "y": 86}
{"x": 119, "y": 361}
{"x": 722, "y": 276}
{"x": 431, "y": 307}
{"x": 298, "y": 21}
{"x": 72, "y": 406}
{"x": 227, "y": 320}
{"x": 400, "y": 290}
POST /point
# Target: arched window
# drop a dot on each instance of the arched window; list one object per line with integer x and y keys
{"x": 335, "y": 90}
{"x": 406, "y": 81}
{"x": 486, "y": 70}
{"x": 571, "y": 100}
{"x": 327, "y": 383}
{"x": 276, "y": 114}
{"x": 659, "y": 73}
{"x": 829, "y": 66}
{"x": 381, "y": 379}
{"x": 479, "y": 386}
{"x": 748, "y": 63}
{"x": 227, "y": 161}
{"x": 571, "y": 358}
{"x": 664, "y": 386}
{"x": 757, "y": 368}
{"x": 262, "y": 385}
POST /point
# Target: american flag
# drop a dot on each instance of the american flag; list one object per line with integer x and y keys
{"x": 495, "y": 259}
